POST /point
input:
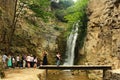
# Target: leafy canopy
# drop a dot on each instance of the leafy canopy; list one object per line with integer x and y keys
{"x": 77, "y": 14}
{"x": 77, "y": 11}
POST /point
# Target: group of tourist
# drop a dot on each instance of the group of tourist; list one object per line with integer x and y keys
{"x": 10, "y": 61}
{"x": 19, "y": 61}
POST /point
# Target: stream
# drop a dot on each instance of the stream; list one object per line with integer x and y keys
{"x": 66, "y": 75}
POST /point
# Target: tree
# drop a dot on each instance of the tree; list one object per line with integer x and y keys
{"x": 17, "y": 10}
{"x": 9, "y": 31}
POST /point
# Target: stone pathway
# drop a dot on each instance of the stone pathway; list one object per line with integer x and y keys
{"x": 22, "y": 74}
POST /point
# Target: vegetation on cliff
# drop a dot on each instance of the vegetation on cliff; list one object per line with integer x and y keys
{"x": 14, "y": 34}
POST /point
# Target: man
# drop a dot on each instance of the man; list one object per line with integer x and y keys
{"x": 58, "y": 58}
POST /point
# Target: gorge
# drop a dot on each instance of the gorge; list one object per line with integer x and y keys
{"x": 38, "y": 30}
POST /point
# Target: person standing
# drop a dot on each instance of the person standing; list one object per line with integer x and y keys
{"x": 4, "y": 60}
{"x": 23, "y": 61}
{"x": 9, "y": 63}
{"x": 28, "y": 61}
{"x": 45, "y": 61}
{"x": 58, "y": 58}
{"x": 13, "y": 61}
{"x": 31, "y": 60}
{"x": 35, "y": 62}
{"x": 18, "y": 60}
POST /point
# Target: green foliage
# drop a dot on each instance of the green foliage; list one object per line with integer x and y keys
{"x": 60, "y": 15}
{"x": 40, "y": 7}
{"x": 57, "y": 28}
{"x": 72, "y": 18}
{"x": 76, "y": 12}
{"x": 60, "y": 8}
{"x": 39, "y": 12}
{"x": 65, "y": 3}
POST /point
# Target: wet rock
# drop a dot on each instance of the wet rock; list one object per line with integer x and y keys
{"x": 112, "y": 75}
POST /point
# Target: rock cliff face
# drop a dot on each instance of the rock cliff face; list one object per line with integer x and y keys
{"x": 32, "y": 35}
{"x": 6, "y": 18}
{"x": 103, "y": 39}
{"x": 102, "y": 43}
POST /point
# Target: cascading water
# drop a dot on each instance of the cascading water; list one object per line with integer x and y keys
{"x": 71, "y": 42}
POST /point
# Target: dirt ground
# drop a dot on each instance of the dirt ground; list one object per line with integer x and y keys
{"x": 23, "y": 74}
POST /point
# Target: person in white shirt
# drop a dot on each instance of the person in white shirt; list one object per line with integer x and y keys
{"x": 18, "y": 60}
{"x": 4, "y": 60}
{"x": 28, "y": 61}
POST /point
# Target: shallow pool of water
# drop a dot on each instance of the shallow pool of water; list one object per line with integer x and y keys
{"x": 66, "y": 75}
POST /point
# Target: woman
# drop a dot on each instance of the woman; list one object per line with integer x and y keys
{"x": 9, "y": 61}
{"x": 28, "y": 61}
{"x": 45, "y": 62}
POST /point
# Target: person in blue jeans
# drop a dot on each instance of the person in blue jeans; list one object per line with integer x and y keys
{"x": 58, "y": 58}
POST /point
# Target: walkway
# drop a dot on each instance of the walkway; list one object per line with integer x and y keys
{"x": 22, "y": 74}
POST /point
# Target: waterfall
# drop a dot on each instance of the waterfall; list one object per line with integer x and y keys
{"x": 71, "y": 43}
